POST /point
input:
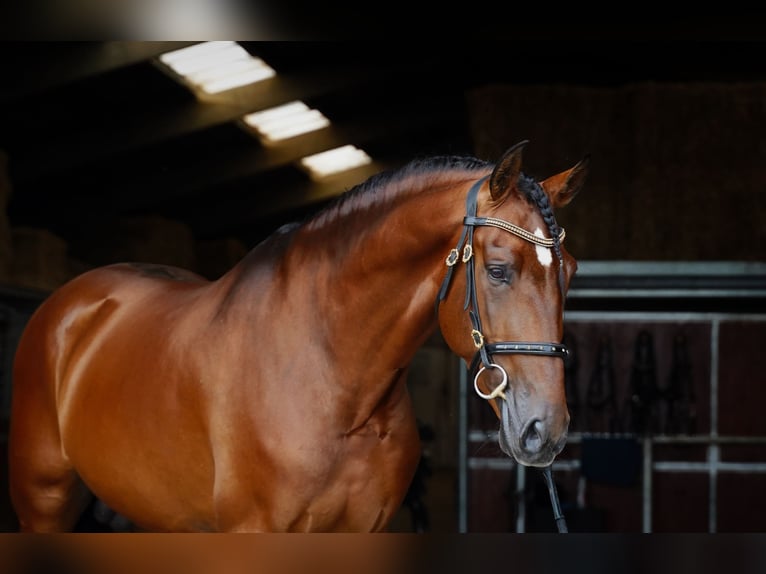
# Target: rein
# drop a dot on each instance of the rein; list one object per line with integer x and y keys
{"x": 485, "y": 350}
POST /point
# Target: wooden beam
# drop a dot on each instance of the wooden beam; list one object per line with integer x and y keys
{"x": 30, "y": 68}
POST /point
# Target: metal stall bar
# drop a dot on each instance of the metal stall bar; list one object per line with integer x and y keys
{"x": 462, "y": 482}
{"x": 713, "y": 451}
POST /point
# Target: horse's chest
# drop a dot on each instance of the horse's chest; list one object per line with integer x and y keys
{"x": 366, "y": 485}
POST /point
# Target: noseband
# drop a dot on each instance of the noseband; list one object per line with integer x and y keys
{"x": 485, "y": 350}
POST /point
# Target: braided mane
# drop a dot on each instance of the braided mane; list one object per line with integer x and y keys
{"x": 534, "y": 192}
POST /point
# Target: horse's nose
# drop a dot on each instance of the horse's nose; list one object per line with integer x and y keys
{"x": 533, "y": 437}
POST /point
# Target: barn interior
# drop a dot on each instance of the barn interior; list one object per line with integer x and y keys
{"x": 107, "y": 153}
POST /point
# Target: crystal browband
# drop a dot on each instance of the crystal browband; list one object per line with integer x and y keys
{"x": 515, "y": 229}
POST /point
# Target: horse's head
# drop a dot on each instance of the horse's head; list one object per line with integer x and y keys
{"x": 509, "y": 326}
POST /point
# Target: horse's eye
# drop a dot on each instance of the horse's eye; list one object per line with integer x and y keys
{"x": 497, "y": 273}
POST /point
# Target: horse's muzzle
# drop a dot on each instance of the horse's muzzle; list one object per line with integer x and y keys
{"x": 533, "y": 444}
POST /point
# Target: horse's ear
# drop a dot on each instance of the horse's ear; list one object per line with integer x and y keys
{"x": 562, "y": 188}
{"x": 506, "y": 172}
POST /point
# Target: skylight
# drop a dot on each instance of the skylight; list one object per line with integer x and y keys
{"x": 285, "y": 121}
{"x": 214, "y": 67}
{"x": 332, "y": 161}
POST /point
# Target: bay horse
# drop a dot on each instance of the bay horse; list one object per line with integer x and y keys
{"x": 274, "y": 398}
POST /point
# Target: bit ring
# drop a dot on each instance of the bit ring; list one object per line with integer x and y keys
{"x": 498, "y": 390}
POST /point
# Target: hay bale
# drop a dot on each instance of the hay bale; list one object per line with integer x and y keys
{"x": 39, "y": 259}
{"x": 677, "y": 170}
{"x": 145, "y": 239}
{"x": 6, "y": 245}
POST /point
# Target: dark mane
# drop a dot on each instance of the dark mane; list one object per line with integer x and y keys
{"x": 419, "y": 167}
{"x": 388, "y": 183}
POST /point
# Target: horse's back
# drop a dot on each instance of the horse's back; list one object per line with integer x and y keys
{"x": 71, "y": 315}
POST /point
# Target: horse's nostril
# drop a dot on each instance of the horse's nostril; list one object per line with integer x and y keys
{"x": 533, "y": 438}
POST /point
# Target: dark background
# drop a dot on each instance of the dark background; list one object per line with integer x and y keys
{"x": 550, "y": 44}
{"x": 101, "y": 142}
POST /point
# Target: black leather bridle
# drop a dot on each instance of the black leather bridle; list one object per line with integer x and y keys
{"x": 485, "y": 350}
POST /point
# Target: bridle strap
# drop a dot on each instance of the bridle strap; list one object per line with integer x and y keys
{"x": 466, "y": 238}
{"x": 471, "y": 201}
{"x": 520, "y": 348}
{"x": 515, "y": 229}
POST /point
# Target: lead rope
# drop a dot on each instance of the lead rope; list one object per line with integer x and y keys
{"x": 558, "y": 516}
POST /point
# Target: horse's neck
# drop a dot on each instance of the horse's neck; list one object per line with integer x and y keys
{"x": 355, "y": 294}
{"x": 376, "y": 284}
